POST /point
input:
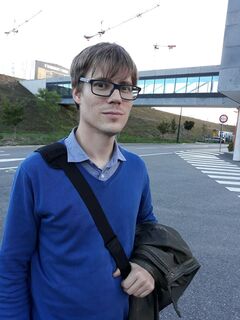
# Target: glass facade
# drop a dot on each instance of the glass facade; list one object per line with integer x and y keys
{"x": 168, "y": 85}
{"x": 64, "y": 89}
{"x": 180, "y": 84}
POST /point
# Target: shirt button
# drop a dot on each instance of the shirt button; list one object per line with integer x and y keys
{"x": 102, "y": 175}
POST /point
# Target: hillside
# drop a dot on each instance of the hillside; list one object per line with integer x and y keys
{"x": 142, "y": 124}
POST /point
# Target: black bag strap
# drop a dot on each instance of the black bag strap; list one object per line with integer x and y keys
{"x": 56, "y": 156}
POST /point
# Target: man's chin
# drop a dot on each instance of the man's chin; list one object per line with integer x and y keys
{"x": 111, "y": 134}
{"x": 113, "y": 131}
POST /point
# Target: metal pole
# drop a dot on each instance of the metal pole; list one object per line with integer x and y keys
{"x": 179, "y": 124}
{"x": 236, "y": 152}
{"x": 221, "y": 127}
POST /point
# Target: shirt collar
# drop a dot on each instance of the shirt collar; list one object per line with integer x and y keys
{"x": 75, "y": 152}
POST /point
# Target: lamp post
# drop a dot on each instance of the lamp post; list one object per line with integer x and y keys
{"x": 179, "y": 125}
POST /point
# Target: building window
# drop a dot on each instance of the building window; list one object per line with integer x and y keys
{"x": 181, "y": 85}
{"x": 205, "y": 84}
{"x": 214, "y": 84}
{"x": 169, "y": 85}
{"x": 159, "y": 86}
{"x": 149, "y": 86}
{"x": 141, "y": 85}
{"x": 192, "y": 84}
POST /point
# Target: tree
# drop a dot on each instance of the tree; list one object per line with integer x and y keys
{"x": 173, "y": 126}
{"x": 48, "y": 100}
{"x": 188, "y": 125}
{"x": 163, "y": 127}
{"x": 12, "y": 112}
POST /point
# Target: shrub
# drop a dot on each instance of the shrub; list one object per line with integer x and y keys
{"x": 231, "y": 146}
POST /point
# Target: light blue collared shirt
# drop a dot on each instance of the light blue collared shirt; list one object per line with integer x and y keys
{"x": 75, "y": 153}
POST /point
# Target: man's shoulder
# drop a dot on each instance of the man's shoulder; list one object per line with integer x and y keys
{"x": 131, "y": 157}
{"x": 33, "y": 162}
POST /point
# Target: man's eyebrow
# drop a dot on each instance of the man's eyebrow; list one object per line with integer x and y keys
{"x": 102, "y": 78}
{"x": 128, "y": 83}
{"x": 124, "y": 82}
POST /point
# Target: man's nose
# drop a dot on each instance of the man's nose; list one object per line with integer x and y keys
{"x": 116, "y": 95}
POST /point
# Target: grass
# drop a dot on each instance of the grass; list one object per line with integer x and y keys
{"x": 30, "y": 138}
{"x": 43, "y": 127}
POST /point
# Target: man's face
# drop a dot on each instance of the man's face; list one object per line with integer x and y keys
{"x": 103, "y": 115}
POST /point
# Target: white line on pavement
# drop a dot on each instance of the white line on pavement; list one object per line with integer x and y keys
{"x": 236, "y": 183}
{"x": 197, "y": 156}
{"x": 205, "y": 160}
{"x": 233, "y": 189}
{"x": 9, "y": 160}
{"x": 5, "y": 154}
{"x": 225, "y": 173}
{"x": 212, "y": 164}
{"x": 8, "y": 168}
{"x": 217, "y": 169}
{"x": 154, "y": 154}
{"x": 222, "y": 177}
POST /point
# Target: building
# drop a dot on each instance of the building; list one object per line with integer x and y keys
{"x": 46, "y": 70}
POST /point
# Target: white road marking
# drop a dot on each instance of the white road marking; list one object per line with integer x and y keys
{"x": 233, "y": 189}
{"x": 10, "y": 160}
{"x": 154, "y": 154}
{"x": 222, "y": 177}
{"x": 213, "y": 167}
{"x": 5, "y": 154}
{"x": 8, "y": 168}
{"x": 225, "y": 173}
{"x": 236, "y": 183}
{"x": 217, "y": 169}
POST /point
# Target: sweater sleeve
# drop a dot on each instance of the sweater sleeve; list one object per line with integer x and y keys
{"x": 146, "y": 208}
{"x": 18, "y": 245}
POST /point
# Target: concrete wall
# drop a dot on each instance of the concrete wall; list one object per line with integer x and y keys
{"x": 201, "y": 102}
{"x": 229, "y": 76}
{"x": 33, "y": 85}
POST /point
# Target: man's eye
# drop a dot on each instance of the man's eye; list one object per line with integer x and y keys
{"x": 101, "y": 85}
{"x": 126, "y": 88}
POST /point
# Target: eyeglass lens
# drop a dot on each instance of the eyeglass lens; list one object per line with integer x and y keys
{"x": 105, "y": 89}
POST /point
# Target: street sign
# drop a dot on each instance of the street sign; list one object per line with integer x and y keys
{"x": 223, "y": 118}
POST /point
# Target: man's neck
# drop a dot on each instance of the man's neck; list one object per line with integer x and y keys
{"x": 98, "y": 147}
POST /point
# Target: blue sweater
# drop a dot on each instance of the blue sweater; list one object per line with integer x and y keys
{"x": 53, "y": 263}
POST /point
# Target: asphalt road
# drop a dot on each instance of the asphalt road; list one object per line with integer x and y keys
{"x": 203, "y": 206}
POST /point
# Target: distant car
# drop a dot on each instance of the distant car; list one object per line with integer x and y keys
{"x": 215, "y": 140}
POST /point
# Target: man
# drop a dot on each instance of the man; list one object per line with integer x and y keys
{"x": 53, "y": 263}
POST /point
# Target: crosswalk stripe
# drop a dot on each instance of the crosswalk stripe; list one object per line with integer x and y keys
{"x": 8, "y": 168}
{"x": 199, "y": 152}
{"x": 9, "y": 160}
{"x": 198, "y": 157}
{"x": 222, "y": 177}
{"x": 233, "y": 189}
{"x": 213, "y": 164}
{"x": 217, "y": 169}
{"x": 222, "y": 173}
{"x": 236, "y": 183}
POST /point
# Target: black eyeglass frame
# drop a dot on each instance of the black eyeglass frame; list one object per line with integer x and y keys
{"x": 115, "y": 86}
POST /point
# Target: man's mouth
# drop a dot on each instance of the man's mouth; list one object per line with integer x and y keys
{"x": 114, "y": 113}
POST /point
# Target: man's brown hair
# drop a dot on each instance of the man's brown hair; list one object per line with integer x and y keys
{"x": 110, "y": 58}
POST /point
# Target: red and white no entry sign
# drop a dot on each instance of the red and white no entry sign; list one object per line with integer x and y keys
{"x": 223, "y": 118}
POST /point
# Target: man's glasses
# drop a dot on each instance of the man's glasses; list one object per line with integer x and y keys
{"x": 105, "y": 88}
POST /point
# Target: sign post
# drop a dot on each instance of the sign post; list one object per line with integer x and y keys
{"x": 223, "y": 119}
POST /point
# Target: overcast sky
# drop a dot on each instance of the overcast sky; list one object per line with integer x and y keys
{"x": 56, "y": 34}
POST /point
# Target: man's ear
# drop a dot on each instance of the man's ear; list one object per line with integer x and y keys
{"x": 76, "y": 95}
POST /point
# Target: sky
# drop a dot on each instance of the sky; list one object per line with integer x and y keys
{"x": 55, "y": 33}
